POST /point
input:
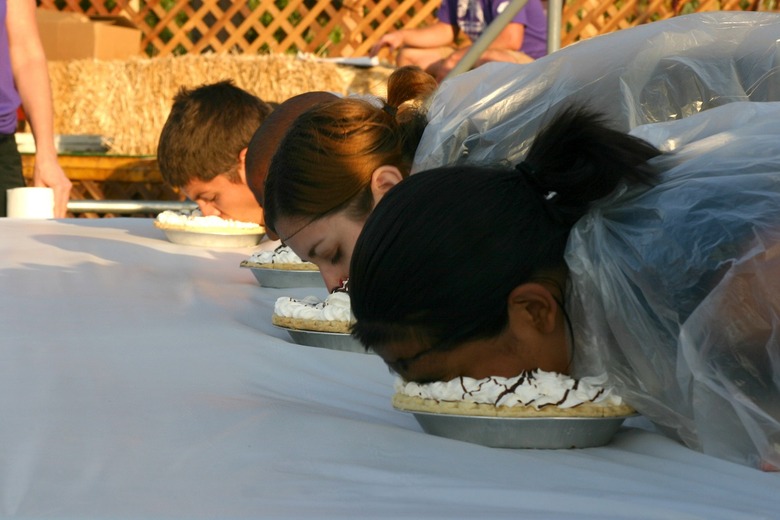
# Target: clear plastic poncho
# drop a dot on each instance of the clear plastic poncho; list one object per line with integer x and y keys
{"x": 675, "y": 290}
{"x": 656, "y": 72}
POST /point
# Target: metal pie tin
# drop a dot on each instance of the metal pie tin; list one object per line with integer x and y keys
{"x": 286, "y": 278}
{"x": 329, "y": 340}
{"x": 522, "y": 432}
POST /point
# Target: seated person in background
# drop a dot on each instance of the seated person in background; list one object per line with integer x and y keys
{"x": 433, "y": 47}
{"x": 202, "y": 147}
{"x": 597, "y": 254}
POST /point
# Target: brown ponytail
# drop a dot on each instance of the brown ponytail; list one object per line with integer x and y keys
{"x": 325, "y": 161}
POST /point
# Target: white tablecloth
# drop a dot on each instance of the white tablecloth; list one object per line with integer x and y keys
{"x": 143, "y": 379}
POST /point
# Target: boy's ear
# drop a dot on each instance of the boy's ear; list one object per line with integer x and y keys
{"x": 532, "y": 309}
{"x": 384, "y": 178}
{"x": 242, "y": 164}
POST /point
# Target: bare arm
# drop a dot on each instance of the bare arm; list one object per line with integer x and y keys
{"x": 503, "y": 48}
{"x": 437, "y": 35}
{"x": 31, "y": 75}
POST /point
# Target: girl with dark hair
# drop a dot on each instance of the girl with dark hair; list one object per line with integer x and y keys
{"x": 597, "y": 254}
{"x": 416, "y": 277}
{"x": 337, "y": 161}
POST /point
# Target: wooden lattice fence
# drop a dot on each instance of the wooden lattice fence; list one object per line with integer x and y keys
{"x": 583, "y": 19}
{"x": 343, "y": 27}
{"x": 191, "y": 29}
{"x": 329, "y": 27}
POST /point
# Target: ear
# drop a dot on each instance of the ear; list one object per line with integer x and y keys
{"x": 384, "y": 178}
{"x": 242, "y": 164}
{"x": 532, "y": 309}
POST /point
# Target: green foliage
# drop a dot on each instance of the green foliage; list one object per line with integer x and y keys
{"x": 336, "y": 35}
{"x": 689, "y": 7}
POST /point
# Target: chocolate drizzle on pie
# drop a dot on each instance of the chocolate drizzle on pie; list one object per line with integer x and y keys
{"x": 524, "y": 375}
{"x": 530, "y": 394}
{"x": 565, "y": 395}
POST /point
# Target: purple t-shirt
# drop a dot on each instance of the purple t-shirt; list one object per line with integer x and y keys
{"x": 9, "y": 97}
{"x": 473, "y": 16}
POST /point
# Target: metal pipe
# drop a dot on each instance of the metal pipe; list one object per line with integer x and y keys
{"x": 129, "y": 206}
{"x": 483, "y": 42}
{"x": 554, "y": 14}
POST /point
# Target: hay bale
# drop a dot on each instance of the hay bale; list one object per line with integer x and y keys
{"x": 129, "y": 101}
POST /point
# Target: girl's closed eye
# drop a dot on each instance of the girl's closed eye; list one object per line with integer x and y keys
{"x": 336, "y": 257}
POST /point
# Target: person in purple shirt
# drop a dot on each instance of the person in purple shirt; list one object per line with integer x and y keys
{"x": 24, "y": 80}
{"x": 435, "y": 47}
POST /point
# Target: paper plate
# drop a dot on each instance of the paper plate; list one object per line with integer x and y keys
{"x": 329, "y": 340}
{"x": 522, "y": 432}
{"x": 221, "y": 240}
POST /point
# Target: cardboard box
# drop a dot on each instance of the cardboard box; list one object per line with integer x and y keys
{"x": 73, "y": 36}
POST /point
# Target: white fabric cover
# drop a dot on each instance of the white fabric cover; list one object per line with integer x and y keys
{"x": 143, "y": 379}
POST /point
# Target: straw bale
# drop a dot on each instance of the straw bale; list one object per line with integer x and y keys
{"x": 128, "y": 101}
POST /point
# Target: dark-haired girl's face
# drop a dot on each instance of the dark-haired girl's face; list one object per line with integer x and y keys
{"x": 504, "y": 355}
{"x": 327, "y": 242}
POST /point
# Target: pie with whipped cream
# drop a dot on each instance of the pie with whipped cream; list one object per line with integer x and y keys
{"x": 531, "y": 394}
{"x": 283, "y": 257}
{"x": 332, "y": 314}
{"x": 195, "y": 222}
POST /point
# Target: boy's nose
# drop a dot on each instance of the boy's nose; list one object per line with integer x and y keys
{"x": 208, "y": 210}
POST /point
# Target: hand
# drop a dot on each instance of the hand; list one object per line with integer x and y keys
{"x": 49, "y": 173}
{"x": 392, "y": 40}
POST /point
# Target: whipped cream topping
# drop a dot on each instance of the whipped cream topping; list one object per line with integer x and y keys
{"x": 281, "y": 255}
{"x": 535, "y": 388}
{"x": 197, "y": 220}
{"x": 336, "y": 307}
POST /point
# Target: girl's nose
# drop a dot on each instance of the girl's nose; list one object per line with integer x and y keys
{"x": 334, "y": 278}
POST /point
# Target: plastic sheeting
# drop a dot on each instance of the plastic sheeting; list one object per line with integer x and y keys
{"x": 678, "y": 320}
{"x": 651, "y": 73}
{"x": 676, "y": 289}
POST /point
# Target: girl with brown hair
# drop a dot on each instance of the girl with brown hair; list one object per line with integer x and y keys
{"x": 335, "y": 162}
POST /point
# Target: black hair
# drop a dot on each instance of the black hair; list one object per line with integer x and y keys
{"x": 443, "y": 249}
